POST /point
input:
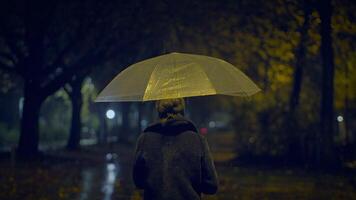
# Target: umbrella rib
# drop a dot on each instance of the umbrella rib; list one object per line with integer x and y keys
{"x": 172, "y": 71}
{"x": 149, "y": 85}
{"x": 236, "y": 70}
{"x": 206, "y": 75}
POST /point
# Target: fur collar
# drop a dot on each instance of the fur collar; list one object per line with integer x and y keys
{"x": 172, "y": 126}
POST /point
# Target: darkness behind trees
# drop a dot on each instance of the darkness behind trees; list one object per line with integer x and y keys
{"x": 302, "y": 53}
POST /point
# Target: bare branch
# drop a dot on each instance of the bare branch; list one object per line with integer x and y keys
{"x": 82, "y": 66}
{"x": 73, "y": 43}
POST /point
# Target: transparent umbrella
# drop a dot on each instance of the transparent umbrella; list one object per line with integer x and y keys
{"x": 177, "y": 75}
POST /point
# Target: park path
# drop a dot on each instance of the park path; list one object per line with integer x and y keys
{"x": 103, "y": 172}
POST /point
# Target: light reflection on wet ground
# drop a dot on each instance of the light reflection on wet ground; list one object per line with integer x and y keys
{"x": 108, "y": 185}
{"x": 104, "y": 177}
{"x": 112, "y": 171}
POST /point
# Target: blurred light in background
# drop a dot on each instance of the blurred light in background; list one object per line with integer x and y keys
{"x": 144, "y": 123}
{"x": 111, "y": 156}
{"x": 203, "y": 131}
{"x": 340, "y": 118}
{"x": 212, "y": 124}
{"x": 110, "y": 114}
{"x": 108, "y": 157}
{"x": 110, "y": 167}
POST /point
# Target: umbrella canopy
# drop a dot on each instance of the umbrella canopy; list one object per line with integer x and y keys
{"x": 177, "y": 75}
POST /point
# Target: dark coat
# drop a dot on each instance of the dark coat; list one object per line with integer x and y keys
{"x": 173, "y": 161}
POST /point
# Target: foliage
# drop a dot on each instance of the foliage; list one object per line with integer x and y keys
{"x": 345, "y": 54}
{"x": 55, "y": 118}
{"x": 8, "y": 135}
{"x": 261, "y": 38}
{"x": 89, "y": 118}
{"x": 56, "y": 115}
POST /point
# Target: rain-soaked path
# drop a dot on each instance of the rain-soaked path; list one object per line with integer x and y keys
{"x": 91, "y": 174}
{"x": 111, "y": 180}
{"x": 100, "y": 177}
{"x": 99, "y": 173}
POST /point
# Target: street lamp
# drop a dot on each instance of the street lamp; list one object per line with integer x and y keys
{"x": 110, "y": 114}
{"x": 340, "y": 118}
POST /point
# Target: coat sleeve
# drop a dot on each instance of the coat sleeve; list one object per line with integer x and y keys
{"x": 209, "y": 175}
{"x": 139, "y": 166}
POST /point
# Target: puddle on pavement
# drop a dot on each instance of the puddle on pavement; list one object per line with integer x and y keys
{"x": 99, "y": 182}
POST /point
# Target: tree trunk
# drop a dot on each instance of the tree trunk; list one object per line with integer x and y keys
{"x": 326, "y": 150}
{"x": 33, "y": 93}
{"x": 295, "y": 141}
{"x": 76, "y": 123}
{"x": 29, "y": 134}
{"x": 125, "y": 127}
{"x": 103, "y": 127}
{"x": 300, "y": 60}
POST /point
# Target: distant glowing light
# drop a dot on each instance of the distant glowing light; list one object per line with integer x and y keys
{"x": 340, "y": 118}
{"x": 110, "y": 167}
{"x": 110, "y": 114}
{"x": 144, "y": 123}
{"x": 203, "y": 131}
{"x": 108, "y": 156}
{"x": 111, "y": 156}
{"x": 212, "y": 124}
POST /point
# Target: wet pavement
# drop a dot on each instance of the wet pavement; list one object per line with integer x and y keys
{"x": 90, "y": 174}
{"x": 99, "y": 174}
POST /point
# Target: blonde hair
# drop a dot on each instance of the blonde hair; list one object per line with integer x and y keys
{"x": 170, "y": 108}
